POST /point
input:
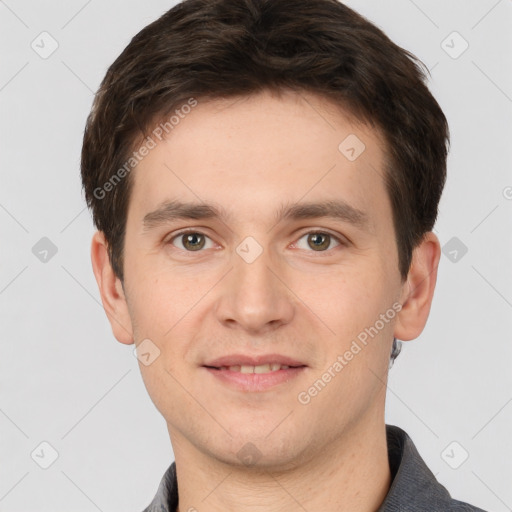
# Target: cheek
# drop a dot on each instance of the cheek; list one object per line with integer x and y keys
{"x": 346, "y": 301}
{"x": 167, "y": 310}
{"x": 161, "y": 300}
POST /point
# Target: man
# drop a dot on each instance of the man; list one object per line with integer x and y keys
{"x": 264, "y": 177}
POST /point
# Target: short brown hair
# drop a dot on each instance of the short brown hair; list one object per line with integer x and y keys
{"x": 208, "y": 49}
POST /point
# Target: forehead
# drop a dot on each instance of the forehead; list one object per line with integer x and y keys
{"x": 252, "y": 154}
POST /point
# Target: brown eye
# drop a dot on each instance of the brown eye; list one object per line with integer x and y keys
{"x": 190, "y": 241}
{"x": 193, "y": 241}
{"x": 319, "y": 241}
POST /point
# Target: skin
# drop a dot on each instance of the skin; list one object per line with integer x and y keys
{"x": 250, "y": 155}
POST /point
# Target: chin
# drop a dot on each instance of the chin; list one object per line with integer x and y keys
{"x": 261, "y": 452}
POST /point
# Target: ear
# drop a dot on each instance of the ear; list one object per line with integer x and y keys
{"x": 111, "y": 290}
{"x": 418, "y": 290}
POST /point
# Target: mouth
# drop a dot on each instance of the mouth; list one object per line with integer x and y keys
{"x": 261, "y": 368}
{"x": 254, "y": 361}
{"x": 254, "y": 374}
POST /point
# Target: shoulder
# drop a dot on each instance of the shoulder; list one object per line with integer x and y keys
{"x": 166, "y": 498}
{"x": 414, "y": 487}
{"x": 460, "y": 506}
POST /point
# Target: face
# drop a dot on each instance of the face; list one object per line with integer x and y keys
{"x": 263, "y": 278}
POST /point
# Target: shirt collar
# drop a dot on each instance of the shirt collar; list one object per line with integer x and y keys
{"x": 413, "y": 486}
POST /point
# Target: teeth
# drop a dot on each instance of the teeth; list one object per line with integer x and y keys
{"x": 262, "y": 368}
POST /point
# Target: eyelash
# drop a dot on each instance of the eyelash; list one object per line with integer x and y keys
{"x": 340, "y": 241}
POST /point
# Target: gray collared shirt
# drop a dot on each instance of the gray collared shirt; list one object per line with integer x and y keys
{"x": 414, "y": 488}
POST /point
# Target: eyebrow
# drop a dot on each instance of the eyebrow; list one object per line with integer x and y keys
{"x": 170, "y": 211}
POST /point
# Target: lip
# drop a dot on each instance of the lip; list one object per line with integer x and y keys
{"x": 247, "y": 360}
{"x": 254, "y": 382}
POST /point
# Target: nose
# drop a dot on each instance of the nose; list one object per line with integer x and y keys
{"x": 254, "y": 296}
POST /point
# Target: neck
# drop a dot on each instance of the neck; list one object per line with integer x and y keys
{"x": 351, "y": 474}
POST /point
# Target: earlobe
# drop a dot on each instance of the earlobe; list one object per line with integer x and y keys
{"x": 418, "y": 290}
{"x": 111, "y": 290}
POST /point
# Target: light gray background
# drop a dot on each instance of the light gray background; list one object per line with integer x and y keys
{"x": 65, "y": 380}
